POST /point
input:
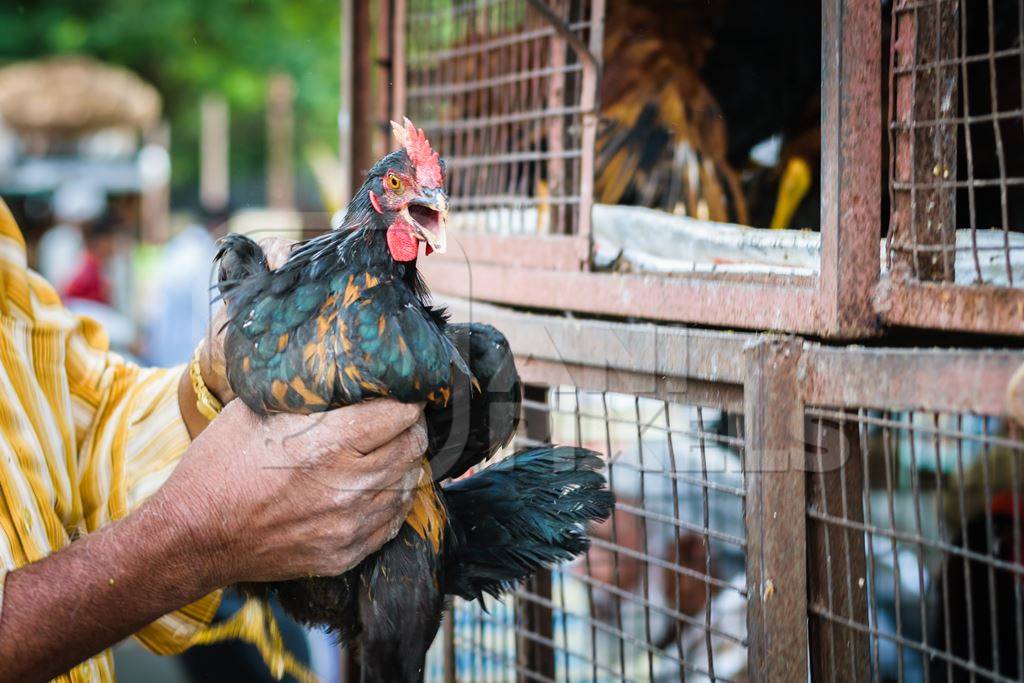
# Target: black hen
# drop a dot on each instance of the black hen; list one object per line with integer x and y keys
{"x": 346, "y": 318}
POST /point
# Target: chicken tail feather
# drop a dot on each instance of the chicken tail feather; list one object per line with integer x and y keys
{"x": 520, "y": 515}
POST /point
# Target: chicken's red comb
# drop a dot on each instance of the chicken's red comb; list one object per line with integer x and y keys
{"x": 425, "y": 159}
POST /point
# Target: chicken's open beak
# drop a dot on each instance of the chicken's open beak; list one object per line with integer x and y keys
{"x": 428, "y": 215}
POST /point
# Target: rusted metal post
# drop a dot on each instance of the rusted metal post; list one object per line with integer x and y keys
{"x": 379, "y": 136}
{"x": 214, "y": 137}
{"x": 362, "y": 102}
{"x": 536, "y": 655}
{"x": 398, "y": 74}
{"x": 589, "y": 103}
{"x": 280, "y": 142}
{"x": 775, "y": 512}
{"x": 837, "y": 570}
{"x": 556, "y": 130}
{"x": 347, "y": 174}
{"x": 851, "y": 138}
{"x": 448, "y": 634}
{"x": 922, "y": 228}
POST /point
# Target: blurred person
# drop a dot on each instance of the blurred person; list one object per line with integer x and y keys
{"x": 89, "y": 291}
{"x": 59, "y": 250}
{"x": 89, "y": 280}
{"x": 184, "y": 281}
{"x": 107, "y": 529}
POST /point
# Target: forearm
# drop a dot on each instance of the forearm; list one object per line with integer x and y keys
{"x": 75, "y": 603}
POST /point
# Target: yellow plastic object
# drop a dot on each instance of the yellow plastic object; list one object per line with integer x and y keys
{"x": 796, "y": 181}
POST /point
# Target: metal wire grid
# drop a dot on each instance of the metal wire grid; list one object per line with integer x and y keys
{"x": 918, "y": 546}
{"x": 662, "y": 593}
{"x": 956, "y": 141}
{"x": 494, "y": 84}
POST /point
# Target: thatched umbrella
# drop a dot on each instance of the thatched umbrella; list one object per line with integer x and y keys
{"x": 64, "y": 97}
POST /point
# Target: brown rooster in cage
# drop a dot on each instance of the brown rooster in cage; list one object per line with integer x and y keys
{"x": 663, "y": 140}
{"x": 689, "y": 88}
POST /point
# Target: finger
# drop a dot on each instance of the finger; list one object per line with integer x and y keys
{"x": 367, "y": 426}
{"x": 382, "y": 508}
{"x": 399, "y": 458}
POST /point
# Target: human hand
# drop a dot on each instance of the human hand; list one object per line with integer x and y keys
{"x": 279, "y": 497}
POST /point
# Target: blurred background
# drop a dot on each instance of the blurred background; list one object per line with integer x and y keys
{"x": 133, "y": 134}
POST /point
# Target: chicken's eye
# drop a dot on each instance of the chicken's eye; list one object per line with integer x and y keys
{"x": 393, "y": 182}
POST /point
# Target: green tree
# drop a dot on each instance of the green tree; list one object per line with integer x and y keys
{"x": 188, "y": 47}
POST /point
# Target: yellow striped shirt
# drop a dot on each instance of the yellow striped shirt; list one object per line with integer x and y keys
{"x": 84, "y": 436}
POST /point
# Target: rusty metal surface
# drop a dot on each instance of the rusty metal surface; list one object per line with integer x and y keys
{"x": 850, "y": 161}
{"x": 640, "y": 348}
{"x": 909, "y": 379}
{"x": 775, "y": 518}
{"x": 570, "y": 351}
{"x": 924, "y": 88}
{"x": 595, "y": 378}
{"x": 958, "y": 156}
{"x": 837, "y": 563}
{"x": 756, "y": 303}
{"x": 946, "y": 306}
{"x": 552, "y": 252}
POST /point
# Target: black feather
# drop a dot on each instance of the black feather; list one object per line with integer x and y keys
{"x": 479, "y": 419}
{"x": 521, "y": 514}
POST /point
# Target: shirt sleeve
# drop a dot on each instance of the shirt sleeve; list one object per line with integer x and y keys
{"x": 130, "y": 436}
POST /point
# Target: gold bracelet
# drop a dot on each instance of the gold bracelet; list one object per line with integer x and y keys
{"x": 206, "y": 403}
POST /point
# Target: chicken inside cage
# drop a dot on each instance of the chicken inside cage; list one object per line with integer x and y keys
{"x": 567, "y": 118}
{"x": 711, "y": 110}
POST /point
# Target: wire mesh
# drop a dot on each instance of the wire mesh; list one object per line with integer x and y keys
{"x": 957, "y": 141}
{"x": 662, "y": 593}
{"x": 495, "y": 85}
{"x": 915, "y": 545}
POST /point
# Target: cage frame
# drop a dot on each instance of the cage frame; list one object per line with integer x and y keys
{"x": 552, "y": 271}
{"x": 772, "y": 379}
{"x": 929, "y": 302}
{"x": 851, "y": 296}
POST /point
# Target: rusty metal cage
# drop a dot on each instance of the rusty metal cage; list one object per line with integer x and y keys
{"x": 503, "y": 89}
{"x": 783, "y": 508}
{"x": 957, "y": 168}
{"x": 956, "y": 165}
{"x": 663, "y": 585}
{"x": 507, "y": 88}
{"x": 924, "y": 522}
{"x": 510, "y": 90}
